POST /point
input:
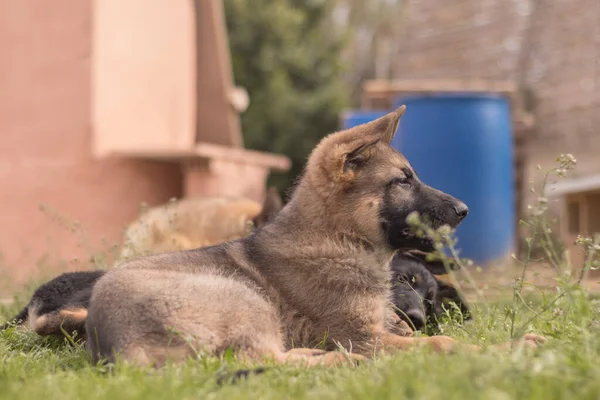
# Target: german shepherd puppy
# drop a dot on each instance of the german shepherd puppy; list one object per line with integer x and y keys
{"x": 418, "y": 295}
{"x": 62, "y": 303}
{"x": 318, "y": 273}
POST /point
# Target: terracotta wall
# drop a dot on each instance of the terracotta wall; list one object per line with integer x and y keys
{"x": 45, "y": 145}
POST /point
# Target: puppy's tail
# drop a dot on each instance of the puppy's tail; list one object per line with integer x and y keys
{"x": 18, "y": 319}
{"x": 235, "y": 376}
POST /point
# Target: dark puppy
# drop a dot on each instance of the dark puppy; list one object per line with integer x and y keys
{"x": 60, "y": 302}
{"x": 418, "y": 294}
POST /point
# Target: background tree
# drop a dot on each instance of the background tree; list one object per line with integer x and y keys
{"x": 373, "y": 29}
{"x": 287, "y": 54}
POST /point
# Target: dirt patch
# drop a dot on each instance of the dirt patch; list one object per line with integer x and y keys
{"x": 497, "y": 281}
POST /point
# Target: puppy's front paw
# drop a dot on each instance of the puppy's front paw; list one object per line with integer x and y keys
{"x": 400, "y": 327}
{"x": 530, "y": 340}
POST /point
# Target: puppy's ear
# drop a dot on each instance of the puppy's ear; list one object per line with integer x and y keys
{"x": 390, "y": 131}
{"x": 345, "y": 160}
{"x": 448, "y": 293}
{"x": 340, "y": 155}
{"x": 271, "y": 207}
{"x": 358, "y": 156}
{"x": 383, "y": 128}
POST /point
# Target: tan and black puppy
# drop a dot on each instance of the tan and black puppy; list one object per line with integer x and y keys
{"x": 318, "y": 273}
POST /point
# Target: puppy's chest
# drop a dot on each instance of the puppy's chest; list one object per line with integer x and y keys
{"x": 336, "y": 315}
{"x": 340, "y": 325}
{"x": 318, "y": 287}
{"x": 329, "y": 290}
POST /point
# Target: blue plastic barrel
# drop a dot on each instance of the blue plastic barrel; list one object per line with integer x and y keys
{"x": 462, "y": 145}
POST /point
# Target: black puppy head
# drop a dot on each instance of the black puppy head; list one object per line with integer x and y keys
{"x": 414, "y": 291}
{"x": 418, "y": 294}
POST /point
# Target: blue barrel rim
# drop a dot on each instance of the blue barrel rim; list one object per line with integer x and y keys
{"x": 349, "y": 113}
{"x": 451, "y": 96}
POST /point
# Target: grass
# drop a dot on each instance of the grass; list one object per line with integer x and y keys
{"x": 33, "y": 367}
{"x": 566, "y": 366}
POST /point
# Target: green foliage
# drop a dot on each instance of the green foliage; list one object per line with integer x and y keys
{"x": 286, "y": 55}
{"x": 566, "y": 367}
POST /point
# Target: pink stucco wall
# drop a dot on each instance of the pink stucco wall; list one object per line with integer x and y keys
{"x": 222, "y": 177}
{"x": 45, "y": 145}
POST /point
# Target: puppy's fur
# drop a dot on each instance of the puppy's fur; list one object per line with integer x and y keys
{"x": 61, "y": 303}
{"x": 317, "y": 273}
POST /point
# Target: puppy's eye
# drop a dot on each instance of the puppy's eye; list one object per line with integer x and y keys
{"x": 410, "y": 280}
{"x": 402, "y": 181}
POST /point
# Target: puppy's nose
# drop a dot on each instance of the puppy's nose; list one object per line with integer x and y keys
{"x": 417, "y": 317}
{"x": 461, "y": 210}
